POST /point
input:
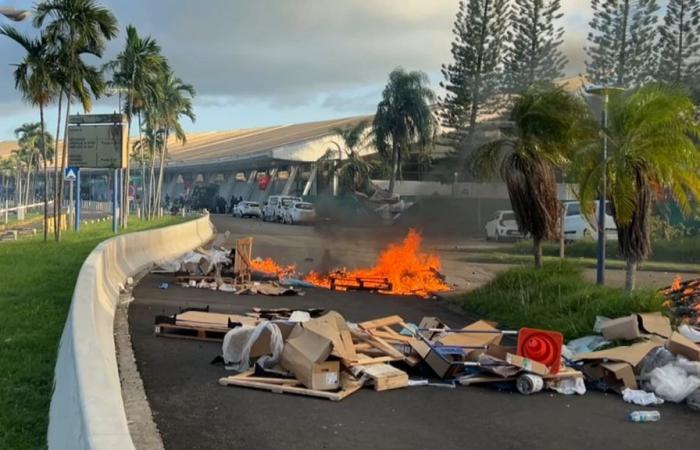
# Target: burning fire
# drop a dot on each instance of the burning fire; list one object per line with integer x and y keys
{"x": 269, "y": 266}
{"x": 409, "y": 270}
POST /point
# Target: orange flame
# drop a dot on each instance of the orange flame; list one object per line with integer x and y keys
{"x": 676, "y": 283}
{"x": 409, "y": 270}
{"x": 270, "y": 267}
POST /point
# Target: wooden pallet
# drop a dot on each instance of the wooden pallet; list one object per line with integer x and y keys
{"x": 386, "y": 377}
{"x": 189, "y": 332}
{"x": 201, "y": 325}
{"x": 291, "y": 386}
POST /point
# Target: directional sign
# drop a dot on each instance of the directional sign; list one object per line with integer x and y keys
{"x": 70, "y": 174}
{"x": 97, "y": 141}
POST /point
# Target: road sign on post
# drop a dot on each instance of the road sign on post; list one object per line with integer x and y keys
{"x": 97, "y": 141}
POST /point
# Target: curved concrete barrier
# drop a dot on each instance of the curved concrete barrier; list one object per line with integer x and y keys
{"x": 87, "y": 411}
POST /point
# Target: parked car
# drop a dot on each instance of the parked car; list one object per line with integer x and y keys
{"x": 299, "y": 212}
{"x": 577, "y": 225}
{"x": 503, "y": 227}
{"x": 274, "y": 207}
{"x": 247, "y": 209}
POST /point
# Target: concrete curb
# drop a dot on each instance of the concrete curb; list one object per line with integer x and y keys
{"x": 87, "y": 410}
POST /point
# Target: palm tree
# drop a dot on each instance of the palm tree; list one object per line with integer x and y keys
{"x": 136, "y": 68}
{"x": 33, "y": 142}
{"x": 652, "y": 151}
{"x": 545, "y": 125}
{"x": 34, "y": 79}
{"x": 353, "y": 172}
{"x": 403, "y": 118}
{"x": 176, "y": 101}
{"x": 75, "y": 27}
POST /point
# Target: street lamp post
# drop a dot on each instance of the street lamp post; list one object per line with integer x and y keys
{"x": 603, "y": 91}
{"x": 14, "y": 14}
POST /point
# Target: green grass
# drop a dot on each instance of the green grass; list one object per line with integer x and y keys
{"x": 36, "y": 285}
{"x": 554, "y": 298}
{"x": 683, "y": 250}
{"x": 29, "y": 219}
{"x": 504, "y": 257}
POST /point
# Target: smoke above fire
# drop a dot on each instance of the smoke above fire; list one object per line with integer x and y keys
{"x": 400, "y": 269}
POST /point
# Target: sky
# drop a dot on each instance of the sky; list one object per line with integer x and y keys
{"x": 272, "y": 62}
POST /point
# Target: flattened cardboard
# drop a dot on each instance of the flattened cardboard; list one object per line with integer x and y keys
{"x": 681, "y": 345}
{"x": 444, "y": 361}
{"x": 626, "y": 328}
{"x": 430, "y": 322}
{"x": 262, "y": 345}
{"x": 527, "y": 365}
{"x": 473, "y": 339}
{"x": 329, "y": 326}
{"x": 631, "y": 354}
{"x": 655, "y": 323}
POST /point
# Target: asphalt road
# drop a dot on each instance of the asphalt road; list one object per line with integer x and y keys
{"x": 193, "y": 411}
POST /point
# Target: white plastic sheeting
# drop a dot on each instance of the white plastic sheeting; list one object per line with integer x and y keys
{"x": 87, "y": 411}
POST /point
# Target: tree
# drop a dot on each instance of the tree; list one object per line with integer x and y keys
{"x": 678, "y": 46}
{"x": 176, "y": 102}
{"x": 474, "y": 77}
{"x": 353, "y": 172}
{"x": 34, "y": 79}
{"x": 403, "y": 117}
{"x": 136, "y": 68}
{"x": 621, "y": 50}
{"x": 534, "y": 54}
{"x": 652, "y": 151}
{"x": 33, "y": 142}
{"x": 75, "y": 27}
{"x": 547, "y": 123}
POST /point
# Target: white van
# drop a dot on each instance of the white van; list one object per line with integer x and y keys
{"x": 578, "y": 227}
{"x": 273, "y": 208}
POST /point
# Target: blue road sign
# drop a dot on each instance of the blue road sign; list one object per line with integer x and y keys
{"x": 70, "y": 174}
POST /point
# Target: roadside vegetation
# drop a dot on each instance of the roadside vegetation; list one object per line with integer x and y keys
{"x": 555, "y": 297}
{"x": 37, "y": 282}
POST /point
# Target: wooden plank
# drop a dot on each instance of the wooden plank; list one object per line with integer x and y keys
{"x": 391, "y": 336}
{"x": 285, "y": 389}
{"x": 349, "y": 349}
{"x": 386, "y": 377}
{"x": 384, "y": 321}
{"x": 386, "y": 347}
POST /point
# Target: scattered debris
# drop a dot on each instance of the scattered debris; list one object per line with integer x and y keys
{"x": 683, "y": 300}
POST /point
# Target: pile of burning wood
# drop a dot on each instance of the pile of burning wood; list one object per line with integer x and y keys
{"x": 682, "y": 299}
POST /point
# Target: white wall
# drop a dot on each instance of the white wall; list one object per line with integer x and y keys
{"x": 87, "y": 411}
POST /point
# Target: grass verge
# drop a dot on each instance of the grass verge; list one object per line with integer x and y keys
{"x": 37, "y": 281}
{"x": 503, "y": 257}
{"x": 554, "y": 298}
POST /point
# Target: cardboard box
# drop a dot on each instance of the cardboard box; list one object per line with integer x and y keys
{"x": 262, "y": 345}
{"x": 617, "y": 375}
{"x": 305, "y": 354}
{"x": 444, "y": 361}
{"x": 626, "y": 328}
{"x": 681, "y": 345}
{"x": 655, "y": 323}
{"x": 430, "y": 322}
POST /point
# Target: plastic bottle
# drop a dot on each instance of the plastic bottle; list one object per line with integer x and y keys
{"x": 645, "y": 416}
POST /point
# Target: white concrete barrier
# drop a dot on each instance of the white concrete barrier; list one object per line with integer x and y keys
{"x": 87, "y": 411}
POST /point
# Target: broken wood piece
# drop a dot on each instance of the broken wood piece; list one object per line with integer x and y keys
{"x": 384, "y": 321}
{"x": 243, "y": 380}
{"x": 386, "y": 377}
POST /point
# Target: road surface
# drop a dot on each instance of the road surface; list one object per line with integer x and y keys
{"x": 194, "y": 412}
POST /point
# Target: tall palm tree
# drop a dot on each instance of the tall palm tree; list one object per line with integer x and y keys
{"x": 76, "y": 27}
{"x": 353, "y": 171}
{"x": 546, "y": 123}
{"x": 33, "y": 142}
{"x": 652, "y": 151}
{"x": 403, "y": 118}
{"x": 136, "y": 68}
{"x": 34, "y": 79}
{"x": 176, "y": 102}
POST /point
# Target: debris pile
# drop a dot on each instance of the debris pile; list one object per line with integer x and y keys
{"x": 682, "y": 299}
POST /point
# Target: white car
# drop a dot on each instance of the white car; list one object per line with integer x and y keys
{"x": 577, "y": 226}
{"x": 503, "y": 227}
{"x": 299, "y": 212}
{"x": 247, "y": 209}
{"x": 273, "y": 208}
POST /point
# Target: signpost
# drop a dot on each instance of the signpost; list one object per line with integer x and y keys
{"x": 98, "y": 141}
{"x": 70, "y": 175}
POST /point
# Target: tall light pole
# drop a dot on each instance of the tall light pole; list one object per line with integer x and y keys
{"x": 15, "y": 14}
{"x": 604, "y": 92}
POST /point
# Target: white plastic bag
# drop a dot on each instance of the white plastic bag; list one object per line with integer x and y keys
{"x": 641, "y": 398}
{"x": 238, "y": 342}
{"x": 672, "y": 383}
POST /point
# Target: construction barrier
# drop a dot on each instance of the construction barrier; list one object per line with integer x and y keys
{"x": 87, "y": 411}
